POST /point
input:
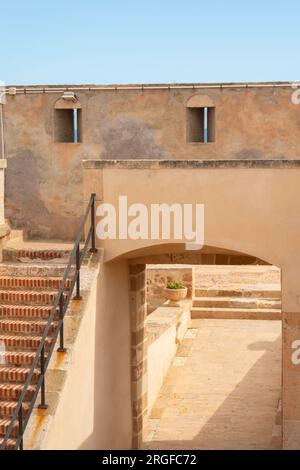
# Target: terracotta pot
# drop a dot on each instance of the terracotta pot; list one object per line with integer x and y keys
{"x": 175, "y": 295}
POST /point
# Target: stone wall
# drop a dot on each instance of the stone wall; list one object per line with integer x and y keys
{"x": 138, "y": 364}
{"x": 159, "y": 276}
{"x": 254, "y": 123}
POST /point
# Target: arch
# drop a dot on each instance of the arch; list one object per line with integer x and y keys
{"x": 200, "y": 101}
{"x": 137, "y": 261}
{"x": 165, "y": 253}
{"x": 68, "y": 101}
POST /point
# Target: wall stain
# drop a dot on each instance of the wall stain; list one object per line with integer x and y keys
{"x": 128, "y": 137}
{"x": 24, "y": 206}
{"x": 39, "y": 421}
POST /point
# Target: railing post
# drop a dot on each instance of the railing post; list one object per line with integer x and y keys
{"x": 77, "y": 296}
{"x": 20, "y": 427}
{"x": 93, "y": 248}
{"x": 61, "y": 317}
{"x": 43, "y": 405}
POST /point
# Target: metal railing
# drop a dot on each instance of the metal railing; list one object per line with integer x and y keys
{"x": 41, "y": 359}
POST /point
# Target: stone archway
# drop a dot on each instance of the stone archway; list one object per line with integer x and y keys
{"x": 138, "y": 313}
{"x": 251, "y": 207}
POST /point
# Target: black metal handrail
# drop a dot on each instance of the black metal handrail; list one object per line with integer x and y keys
{"x": 61, "y": 302}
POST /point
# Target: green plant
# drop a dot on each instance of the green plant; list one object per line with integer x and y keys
{"x": 175, "y": 285}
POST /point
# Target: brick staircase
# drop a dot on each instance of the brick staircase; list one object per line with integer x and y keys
{"x": 29, "y": 281}
{"x": 239, "y": 304}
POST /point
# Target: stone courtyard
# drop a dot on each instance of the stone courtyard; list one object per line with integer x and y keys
{"x": 222, "y": 390}
{"x": 223, "y": 387}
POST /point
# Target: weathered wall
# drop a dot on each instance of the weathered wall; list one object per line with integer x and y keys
{"x": 44, "y": 178}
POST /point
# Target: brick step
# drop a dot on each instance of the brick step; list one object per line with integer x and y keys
{"x": 11, "y": 392}
{"x": 237, "y": 313}
{"x": 28, "y": 297}
{"x": 32, "y": 283}
{"x": 17, "y": 358}
{"x": 4, "y": 423}
{"x": 25, "y": 312}
{"x": 17, "y": 374}
{"x": 15, "y": 342}
{"x": 239, "y": 292}
{"x": 236, "y": 302}
{"x": 10, "y": 444}
{"x": 12, "y": 254}
{"x": 7, "y": 408}
{"x": 18, "y": 269}
{"x": 19, "y": 326}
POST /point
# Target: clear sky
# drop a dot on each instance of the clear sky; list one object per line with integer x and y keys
{"x": 130, "y": 41}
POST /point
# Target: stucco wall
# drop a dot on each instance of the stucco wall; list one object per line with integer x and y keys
{"x": 96, "y": 398}
{"x": 165, "y": 329}
{"x": 249, "y": 209}
{"x": 44, "y": 178}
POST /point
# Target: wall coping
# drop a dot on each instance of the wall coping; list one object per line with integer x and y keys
{"x": 163, "y": 318}
{"x": 147, "y": 164}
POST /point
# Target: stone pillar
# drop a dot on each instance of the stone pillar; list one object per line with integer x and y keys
{"x": 291, "y": 353}
{"x": 138, "y": 310}
{"x": 291, "y": 380}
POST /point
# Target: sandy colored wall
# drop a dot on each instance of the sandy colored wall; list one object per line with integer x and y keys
{"x": 165, "y": 329}
{"x": 88, "y": 415}
{"x": 44, "y": 178}
{"x": 160, "y": 356}
{"x": 249, "y": 210}
{"x": 246, "y": 209}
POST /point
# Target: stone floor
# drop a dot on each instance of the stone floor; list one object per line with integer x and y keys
{"x": 222, "y": 390}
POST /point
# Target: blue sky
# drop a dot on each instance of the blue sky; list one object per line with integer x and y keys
{"x": 90, "y": 41}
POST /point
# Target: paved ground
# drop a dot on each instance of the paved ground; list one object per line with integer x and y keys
{"x": 223, "y": 388}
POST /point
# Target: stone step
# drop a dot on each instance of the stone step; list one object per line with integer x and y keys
{"x": 17, "y": 358}
{"x": 237, "y": 313}
{"x": 32, "y": 283}
{"x": 236, "y": 302}
{"x": 10, "y": 444}
{"x": 4, "y": 423}
{"x": 7, "y": 408}
{"x": 11, "y": 392}
{"x": 27, "y": 297}
{"x": 17, "y": 342}
{"x": 31, "y": 327}
{"x": 17, "y": 374}
{"x": 25, "y": 312}
{"x": 33, "y": 270}
{"x": 12, "y": 254}
{"x": 267, "y": 293}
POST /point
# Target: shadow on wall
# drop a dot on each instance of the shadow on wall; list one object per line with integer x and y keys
{"x": 24, "y": 206}
{"x": 129, "y": 138}
{"x": 236, "y": 423}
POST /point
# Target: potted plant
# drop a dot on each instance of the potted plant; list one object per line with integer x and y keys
{"x": 175, "y": 292}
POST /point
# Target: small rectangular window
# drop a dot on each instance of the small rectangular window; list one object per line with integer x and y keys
{"x": 68, "y": 125}
{"x": 201, "y": 125}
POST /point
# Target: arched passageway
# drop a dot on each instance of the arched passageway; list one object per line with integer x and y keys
{"x": 266, "y": 226}
{"x": 223, "y": 387}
